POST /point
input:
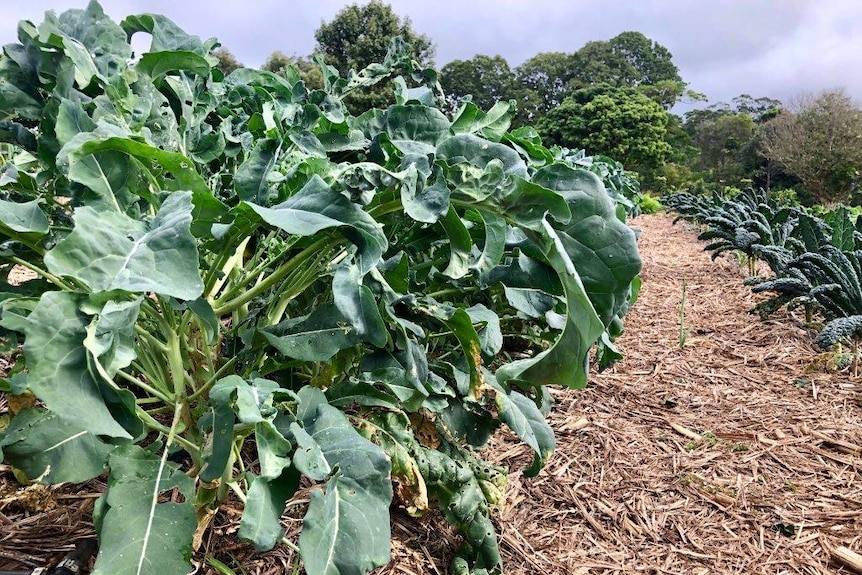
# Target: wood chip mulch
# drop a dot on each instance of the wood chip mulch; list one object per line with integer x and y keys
{"x": 733, "y": 446}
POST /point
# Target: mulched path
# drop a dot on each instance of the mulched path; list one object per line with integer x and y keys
{"x": 732, "y": 446}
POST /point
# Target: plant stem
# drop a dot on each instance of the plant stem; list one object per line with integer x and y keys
{"x": 212, "y": 380}
{"x": 682, "y": 330}
{"x": 192, "y": 449}
{"x": 175, "y": 361}
{"x": 232, "y": 261}
{"x": 144, "y": 386}
{"x": 151, "y": 339}
{"x": 44, "y": 273}
{"x": 276, "y": 276}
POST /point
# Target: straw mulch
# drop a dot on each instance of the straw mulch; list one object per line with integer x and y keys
{"x": 730, "y": 447}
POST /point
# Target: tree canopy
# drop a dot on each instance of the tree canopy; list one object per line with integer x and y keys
{"x": 360, "y": 35}
{"x": 488, "y": 79}
{"x": 819, "y": 140}
{"x": 629, "y": 60}
{"x": 227, "y": 62}
{"x": 619, "y": 122}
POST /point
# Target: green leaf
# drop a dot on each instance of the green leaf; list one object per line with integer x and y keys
{"x": 208, "y": 321}
{"x": 565, "y": 362}
{"x": 96, "y": 41}
{"x": 250, "y": 181}
{"x": 166, "y": 35}
{"x": 46, "y": 448}
{"x": 111, "y": 336}
{"x": 416, "y": 129}
{"x": 173, "y": 171}
{"x": 460, "y": 324}
{"x": 533, "y": 303}
{"x": 252, "y": 401}
{"x": 72, "y": 120}
{"x": 111, "y": 180}
{"x": 527, "y": 203}
{"x": 495, "y": 243}
{"x": 842, "y": 229}
{"x": 273, "y": 450}
{"x": 497, "y": 120}
{"x": 315, "y": 337}
{"x": 491, "y": 125}
{"x": 603, "y": 249}
{"x": 141, "y": 535}
{"x": 157, "y": 64}
{"x": 357, "y": 305}
{"x": 26, "y": 219}
{"x": 221, "y": 427}
{"x": 346, "y": 529}
{"x": 424, "y": 203}
{"x": 460, "y": 244}
{"x": 490, "y": 335}
{"x": 264, "y": 505}
{"x": 57, "y": 360}
{"x": 404, "y": 95}
{"x": 108, "y": 251}
{"x": 527, "y": 422}
{"x": 17, "y": 134}
{"x": 479, "y": 152}
{"x": 317, "y": 207}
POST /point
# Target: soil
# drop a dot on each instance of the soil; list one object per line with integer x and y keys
{"x": 720, "y": 444}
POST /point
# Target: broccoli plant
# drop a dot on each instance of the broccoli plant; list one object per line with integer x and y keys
{"x": 241, "y": 288}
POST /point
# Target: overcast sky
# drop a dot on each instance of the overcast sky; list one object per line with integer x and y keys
{"x": 723, "y": 48}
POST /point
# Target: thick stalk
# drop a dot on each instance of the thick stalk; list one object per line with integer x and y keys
{"x": 175, "y": 362}
{"x": 223, "y": 308}
{"x": 232, "y": 262}
{"x": 144, "y": 387}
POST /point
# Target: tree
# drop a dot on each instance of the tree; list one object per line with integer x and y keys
{"x": 548, "y": 75}
{"x": 819, "y": 140}
{"x": 308, "y": 70}
{"x": 720, "y": 134}
{"x": 276, "y": 61}
{"x": 227, "y": 62}
{"x": 726, "y": 137}
{"x": 359, "y": 36}
{"x": 488, "y": 79}
{"x": 633, "y": 60}
{"x": 619, "y": 122}
{"x": 760, "y": 109}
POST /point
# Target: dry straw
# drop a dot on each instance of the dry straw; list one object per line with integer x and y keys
{"x": 737, "y": 453}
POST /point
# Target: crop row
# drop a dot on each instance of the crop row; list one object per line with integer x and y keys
{"x": 815, "y": 259}
{"x": 244, "y": 288}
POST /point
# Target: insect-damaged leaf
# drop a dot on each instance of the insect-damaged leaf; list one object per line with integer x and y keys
{"x": 57, "y": 360}
{"x": 346, "y": 528}
{"x": 315, "y": 337}
{"x": 141, "y": 533}
{"x": 45, "y": 447}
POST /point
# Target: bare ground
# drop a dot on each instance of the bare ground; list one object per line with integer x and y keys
{"x": 732, "y": 448}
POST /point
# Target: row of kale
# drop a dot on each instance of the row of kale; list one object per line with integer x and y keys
{"x": 815, "y": 258}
